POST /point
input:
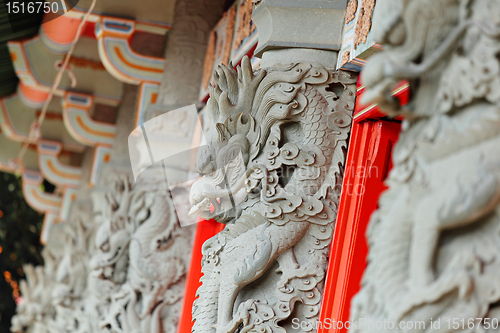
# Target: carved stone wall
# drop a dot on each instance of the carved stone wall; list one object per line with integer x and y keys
{"x": 137, "y": 271}
{"x": 54, "y": 294}
{"x": 121, "y": 268}
{"x": 276, "y": 141}
{"x": 272, "y": 172}
{"x": 119, "y": 263}
{"x": 435, "y": 239}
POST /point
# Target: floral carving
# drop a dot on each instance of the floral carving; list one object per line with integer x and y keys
{"x": 245, "y": 26}
{"x": 350, "y": 13}
{"x": 364, "y": 23}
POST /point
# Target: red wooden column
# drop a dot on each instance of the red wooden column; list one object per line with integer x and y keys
{"x": 367, "y": 165}
{"x": 204, "y": 230}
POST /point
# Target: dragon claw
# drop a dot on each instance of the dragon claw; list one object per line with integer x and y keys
{"x": 242, "y": 317}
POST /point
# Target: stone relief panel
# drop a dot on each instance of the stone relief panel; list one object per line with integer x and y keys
{"x": 141, "y": 258}
{"x": 435, "y": 239}
{"x": 122, "y": 270}
{"x": 272, "y": 173}
{"x": 54, "y": 295}
{"x": 36, "y": 291}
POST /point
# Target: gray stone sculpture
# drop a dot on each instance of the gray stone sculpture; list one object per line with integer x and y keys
{"x": 272, "y": 172}
{"x": 122, "y": 271}
{"x": 435, "y": 240}
{"x": 137, "y": 272}
{"x": 54, "y": 295}
{"x": 36, "y": 308}
{"x": 70, "y": 285}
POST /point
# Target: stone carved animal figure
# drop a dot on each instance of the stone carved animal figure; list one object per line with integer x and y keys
{"x": 271, "y": 171}
{"x": 126, "y": 276}
{"x": 435, "y": 239}
{"x": 69, "y": 296}
{"x": 36, "y": 309}
{"x": 140, "y": 262}
{"x": 54, "y": 295}
{"x": 71, "y": 273}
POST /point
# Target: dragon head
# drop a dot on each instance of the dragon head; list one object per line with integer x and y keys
{"x": 260, "y": 133}
{"x": 232, "y": 139}
{"x": 125, "y": 210}
{"x": 410, "y": 31}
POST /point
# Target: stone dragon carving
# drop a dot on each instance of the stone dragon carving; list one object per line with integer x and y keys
{"x": 141, "y": 258}
{"x": 435, "y": 239}
{"x": 54, "y": 294}
{"x": 36, "y": 290}
{"x": 72, "y": 305}
{"x": 272, "y": 172}
{"x": 121, "y": 272}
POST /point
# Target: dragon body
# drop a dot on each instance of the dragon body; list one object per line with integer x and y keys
{"x": 435, "y": 239}
{"x": 271, "y": 171}
{"x": 138, "y": 267}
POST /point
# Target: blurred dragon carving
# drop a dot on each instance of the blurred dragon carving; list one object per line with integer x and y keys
{"x": 142, "y": 253}
{"x": 121, "y": 272}
{"x": 435, "y": 239}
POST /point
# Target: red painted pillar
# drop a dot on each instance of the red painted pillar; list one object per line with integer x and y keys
{"x": 367, "y": 165}
{"x": 204, "y": 230}
{"x": 368, "y": 162}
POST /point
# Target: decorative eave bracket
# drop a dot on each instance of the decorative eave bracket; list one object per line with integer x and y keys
{"x": 117, "y": 56}
{"x": 81, "y": 126}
